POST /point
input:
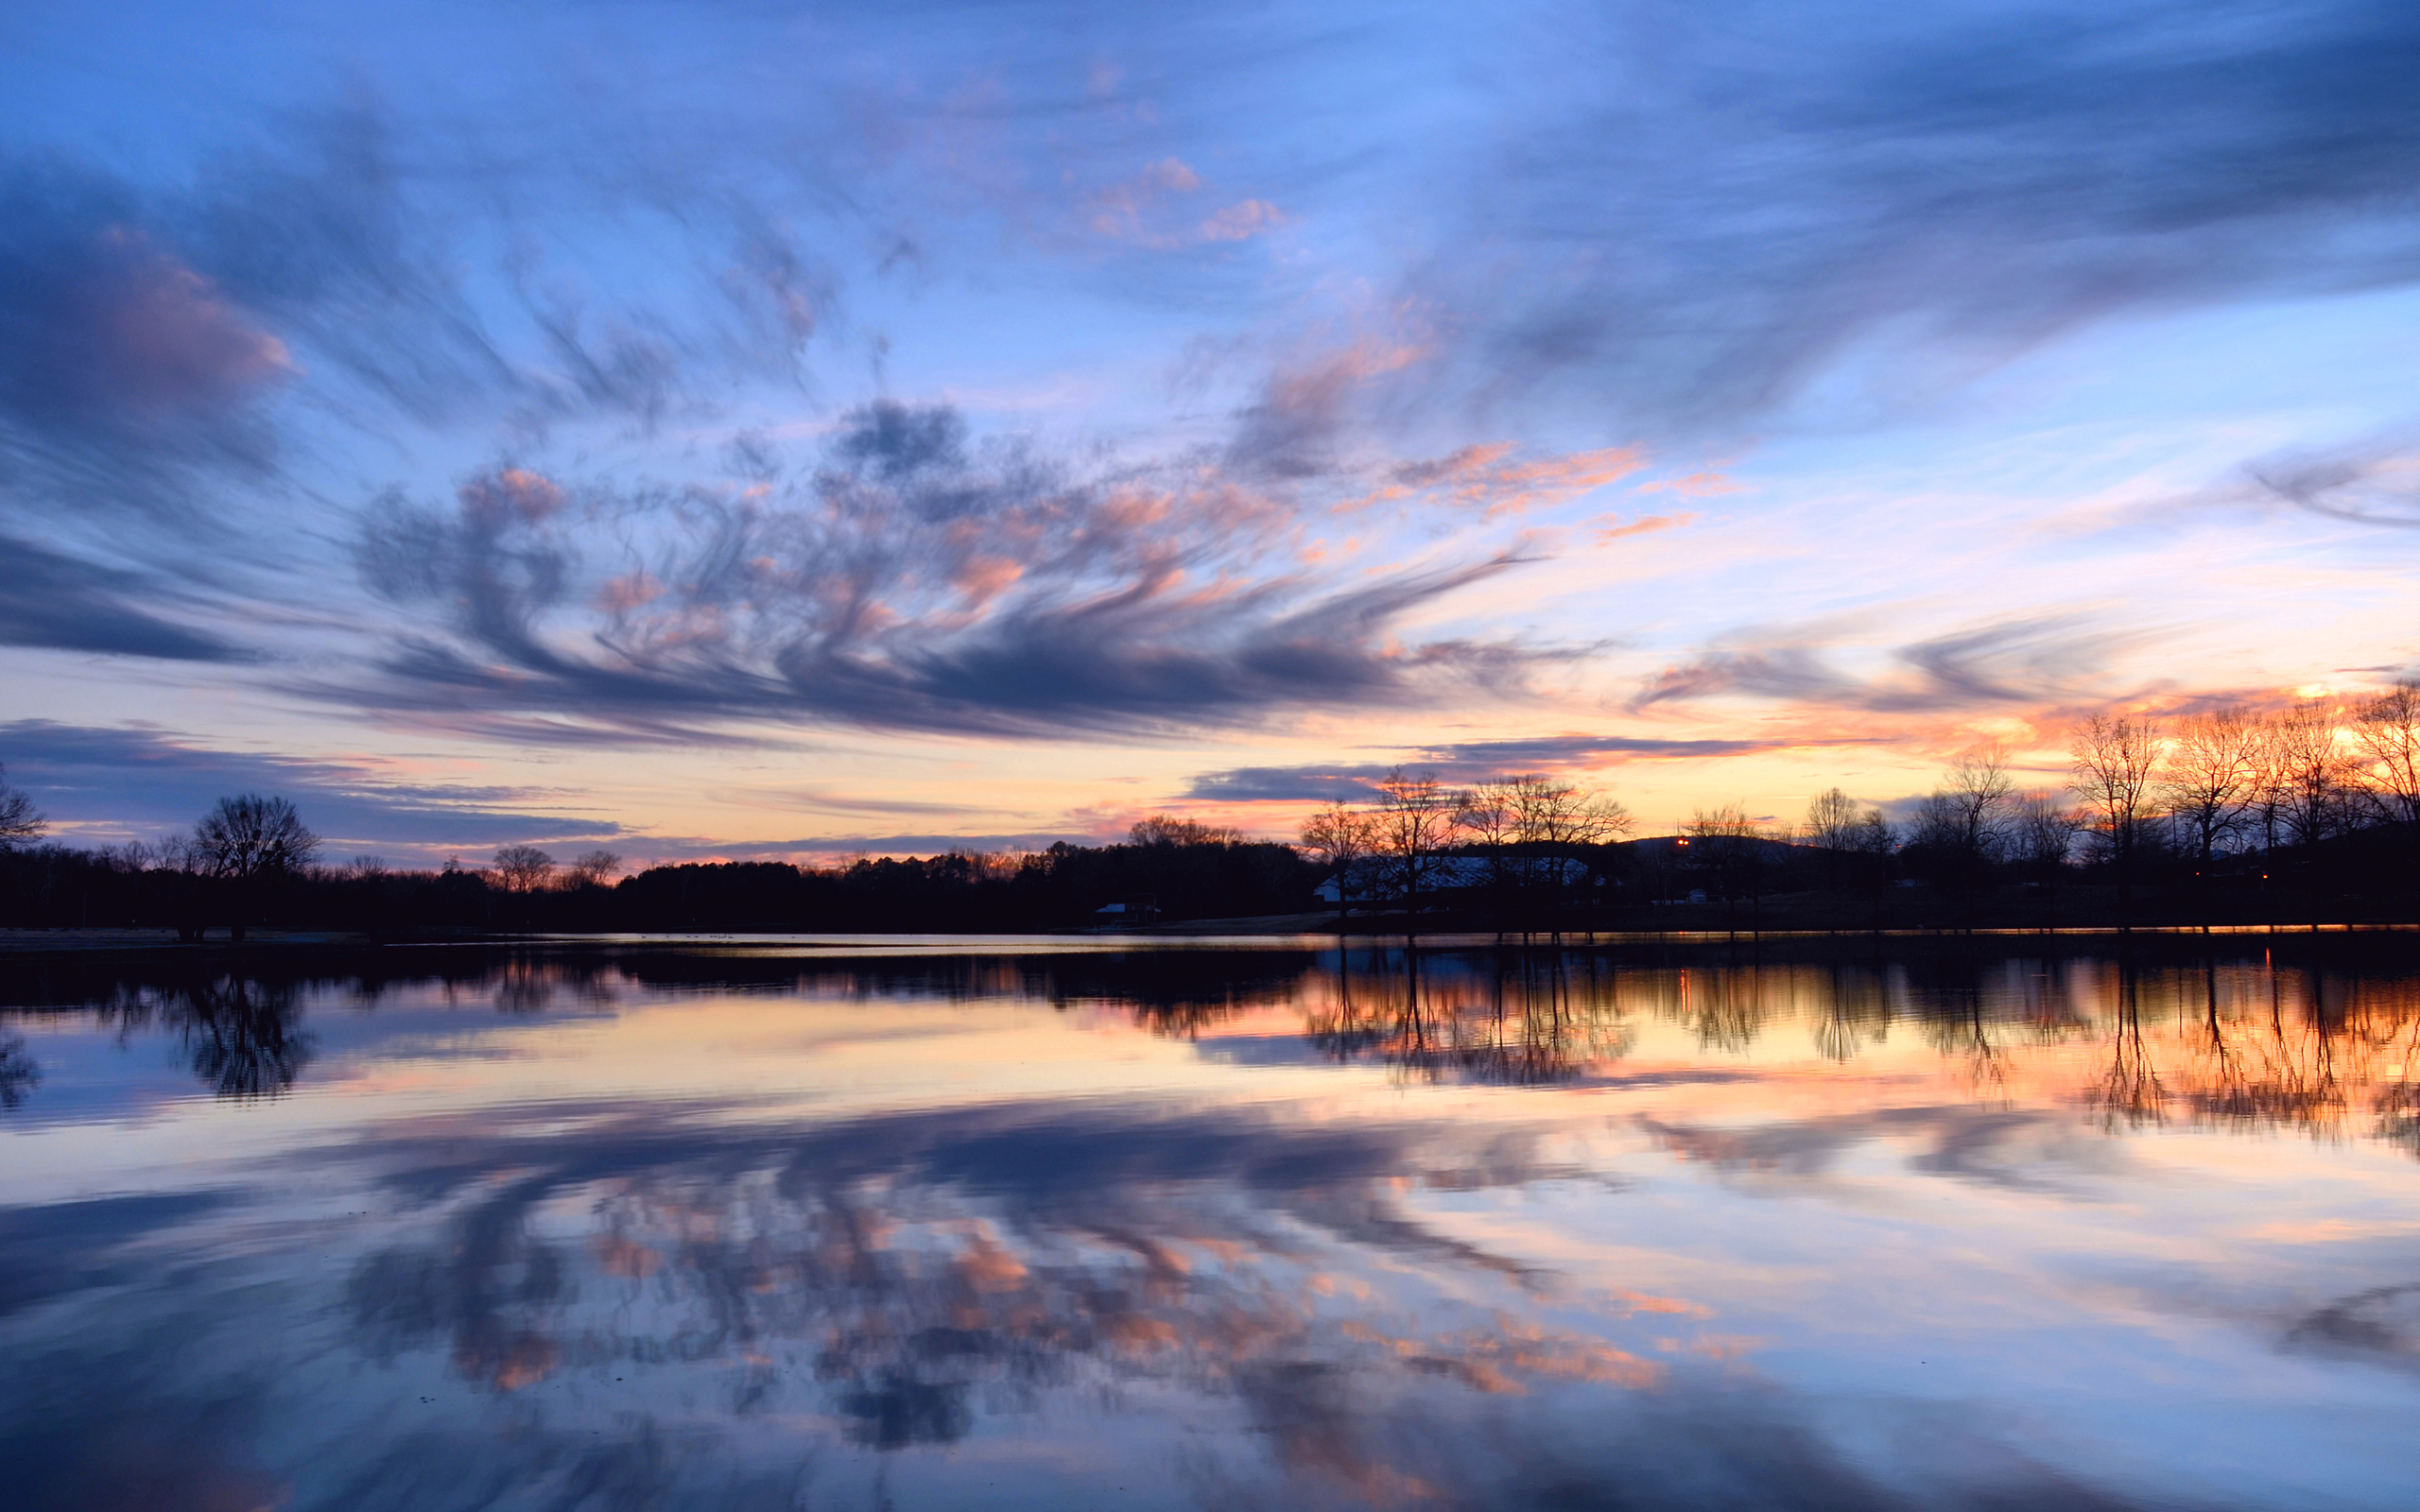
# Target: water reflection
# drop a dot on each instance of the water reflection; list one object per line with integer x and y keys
{"x": 242, "y": 1038}
{"x": 1219, "y": 1227}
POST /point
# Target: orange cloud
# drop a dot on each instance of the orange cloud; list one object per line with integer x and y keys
{"x": 1242, "y": 220}
{"x": 1610, "y": 526}
{"x": 1694, "y": 485}
{"x": 1490, "y": 480}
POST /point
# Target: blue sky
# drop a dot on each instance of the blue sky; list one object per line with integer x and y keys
{"x": 737, "y": 430}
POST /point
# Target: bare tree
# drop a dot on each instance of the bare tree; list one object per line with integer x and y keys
{"x": 524, "y": 869}
{"x": 1162, "y": 829}
{"x": 1415, "y": 826}
{"x": 248, "y": 836}
{"x": 593, "y": 869}
{"x": 1964, "y": 821}
{"x": 19, "y": 821}
{"x": 2043, "y": 835}
{"x": 1981, "y": 788}
{"x": 1832, "y": 820}
{"x": 1730, "y": 847}
{"x": 1340, "y": 837}
{"x": 2210, "y": 774}
{"x": 1492, "y": 818}
{"x": 1526, "y": 825}
{"x": 1560, "y": 815}
{"x": 2114, "y": 760}
{"x": 251, "y": 841}
{"x": 2386, "y": 731}
{"x": 2044, "y": 832}
{"x": 2313, "y": 774}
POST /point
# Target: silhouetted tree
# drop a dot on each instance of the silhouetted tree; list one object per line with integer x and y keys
{"x": 593, "y": 869}
{"x": 19, "y": 821}
{"x": 1730, "y": 848}
{"x": 1959, "y": 830}
{"x": 2313, "y": 775}
{"x": 523, "y": 868}
{"x": 2209, "y": 775}
{"x": 2114, "y": 761}
{"x": 1415, "y": 822}
{"x": 1832, "y": 821}
{"x": 1339, "y": 836}
{"x": 250, "y": 836}
{"x": 1875, "y": 843}
{"x": 1529, "y": 826}
{"x": 1162, "y": 829}
{"x": 2043, "y": 835}
{"x": 251, "y": 841}
{"x": 2386, "y": 730}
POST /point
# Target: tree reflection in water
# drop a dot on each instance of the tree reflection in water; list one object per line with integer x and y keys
{"x": 1513, "y": 1017}
{"x": 19, "y": 1075}
{"x": 242, "y": 1038}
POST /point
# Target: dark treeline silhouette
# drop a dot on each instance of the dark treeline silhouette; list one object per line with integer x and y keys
{"x": 2302, "y": 815}
{"x": 1166, "y": 869}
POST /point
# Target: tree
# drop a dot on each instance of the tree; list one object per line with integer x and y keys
{"x": 2210, "y": 774}
{"x": 524, "y": 869}
{"x": 1528, "y": 825}
{"x": 250, "y": 841}
{"x": 1490, "y": 817}
{"x": 1961, "y": 827}
{"x": 2312, "y": 774}
{"x": 2114, "y": 760}
{"x": 1560, "y": 816}
{"x": 2043, "y": 835}
{"x": 19, "y": 821}
{"x": 1832, "y": 821}
{"x": 2386, "y": 730}
{"x": 1979, "y": 791}
{"x": 1340, "y": 837}
{"x": 250, "y": 837}
{"x": 1162, "y": 829}
{"x": 593, "y": 869}
{"x": 1730, "y": 847}
{"x": 1415, "y": 825}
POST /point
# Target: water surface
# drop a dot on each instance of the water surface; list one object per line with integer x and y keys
{"x": 958, "y": 1223}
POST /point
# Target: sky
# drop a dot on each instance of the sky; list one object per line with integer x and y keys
{"x": 753, "y": 430}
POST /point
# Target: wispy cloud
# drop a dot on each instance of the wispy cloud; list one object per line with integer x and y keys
{"x": 2050, "y": 659}
{"x": 1463, "y": 761}
{"x": 1695, "y": 213}
{"x": 106, "y": 783}
{"x": 61, "y": 603}
{"x": 916, "y": 580}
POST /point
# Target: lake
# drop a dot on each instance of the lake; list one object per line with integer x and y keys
{"x": 1996, "y": 1223}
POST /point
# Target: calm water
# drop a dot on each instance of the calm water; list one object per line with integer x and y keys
{"x": 958, "y": 1225}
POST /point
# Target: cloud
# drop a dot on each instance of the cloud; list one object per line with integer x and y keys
{"x": 2375, "y": 482}
{"x": 120, "y": 780}
{"x": 1493, "y": 479}
{"x": 916, "y": 580}
{"x": 59, "y": 602}
{"x": 1695, "y": 213}
{"x": 2040, "y": 659}
{"x": 1465, "y": 762}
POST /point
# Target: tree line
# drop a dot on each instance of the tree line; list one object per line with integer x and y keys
{"x": 253, "y": 860}
{"x": 2316, "y": 798}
